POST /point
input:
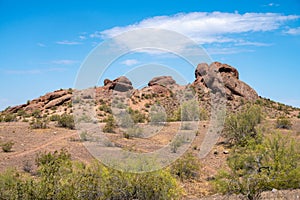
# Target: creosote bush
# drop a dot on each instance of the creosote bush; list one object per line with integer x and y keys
{"x": 66, "y": 121}
{"x": 60, "y": 178}
{"x": 258, "y": 167}
{"x": 186, "y": 167}
{"x": 7, "y": 146}
{"x": 241, "y": 126}
{"x": 110, "y": 125}
{"x": 283, "y": 122}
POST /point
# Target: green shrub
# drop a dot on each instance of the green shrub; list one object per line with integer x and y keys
{"x": 176, "y": 143}
{"x": 157, "y": 115}
{"x": 105, "y": 108}
{"x": 54, "y": 117}
{"x": 136, "y": 115}
{"x": 241, "y": 127}
{"x": 7, "y": 146}
{"x": 60, "y": 178}
{"x": 283, "y": 122}
{"x": 125, "y": 120}
{"x": 190, "y": 110}
{"x": 38, "y": 124}
{"x": 298, "y": 115}
{"x": 66, "y": 121}
{"x": 133, "y": 132}
{"x": 9, "y": 118}
{"x": 186, "y": 167}
{"x": 110, "y": 125}
{"x": 36, "y": 113}
{"x": 275, "y": 163}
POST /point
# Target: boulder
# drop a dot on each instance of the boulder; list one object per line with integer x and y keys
{"x": 121, "y": 84}
{"x": 162, "y": 80}
{"x": 223, "y": 78}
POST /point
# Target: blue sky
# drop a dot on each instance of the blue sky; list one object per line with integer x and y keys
{"x": 43, "y": 43}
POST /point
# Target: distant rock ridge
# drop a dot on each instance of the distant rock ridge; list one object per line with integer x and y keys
{"x": 216, "y": 77}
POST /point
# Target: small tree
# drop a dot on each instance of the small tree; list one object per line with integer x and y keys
{"x": 110, "y": 125}
{"x": 241, "y": 127}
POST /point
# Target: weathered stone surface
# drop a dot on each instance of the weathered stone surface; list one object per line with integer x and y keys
{"x": 162, "y": 80}
{"x": 58, "y": 101}
{"x": 222, "y": 78}
{"x": 121, "y": 84}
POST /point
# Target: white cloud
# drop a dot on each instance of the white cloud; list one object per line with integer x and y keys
{"x": 293, "y": 31}
{"x": 272, "y": 5}
{"x": 206, "y": 27}
{"x": 34, "y": 71}
{"x": 66, "y": 42}
{"x": 41, "y": 44}
{"x": 82, "y": 37}
{"x": 226, "y": 51}
{"x": 249, "y": 43}
{"x": 64, "y": 62}
{"x": 130, "y": 62}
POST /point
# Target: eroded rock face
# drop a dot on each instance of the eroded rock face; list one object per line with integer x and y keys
{"x": 47, "y": 101}
{"x": 223, "y": 78}
{"x": 162, "y": 80}
{"x": 121, "y": 84}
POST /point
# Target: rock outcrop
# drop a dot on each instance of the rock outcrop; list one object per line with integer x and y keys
{"x": 121, "y": 84}
{"x": 162, "y": 80}
{"x": 223, "y": 78}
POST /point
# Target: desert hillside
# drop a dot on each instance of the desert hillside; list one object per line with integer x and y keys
{"x": 67, "y": 119}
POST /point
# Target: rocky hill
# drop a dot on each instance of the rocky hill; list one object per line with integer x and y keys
{"x": 216, "y": 78}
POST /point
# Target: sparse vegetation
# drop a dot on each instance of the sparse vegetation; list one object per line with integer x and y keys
{"x": 190, "y": 110}
{"x": 258, "y": 167}
{"x": 66, "y": 121}
{"x": 133, "y": 132}
{"x": 186, "y": 167}
{"x": 7, "y": 146}
{"x": 241, "y": 127}
{"x": 38, "y": 123}
{"x": 110, "y": 125}
{"x": 283, "y": 122}
{"x": 60, "y": 178}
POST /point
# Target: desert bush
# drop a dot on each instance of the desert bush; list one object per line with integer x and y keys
{"x": 125, "y": 120}
{"x": 176, "y": 143}
{"x": 36, "y": 113}
{"x": 60, "y": 178}
{"x": 203, "y": 114}
{"x": 136, "y": 115}
{"x": 241, "y": 126}
{"x": 105, "y": 108}
{"x": 66, "y": 121}
{"x": 7, "y": 146}
{"x": 186, "y": 126}
{"x": 8, "y": 118}
{"x": 190, "y": 110}
{"x": 84, "y": 136}
{"x": 298, "y": 115}
{"x": 157, "y": 115}
{"x": 110, "y": 125}
{"x": 38, "y": 124}
{"x": 133, "y": 132}
{"x": 275, "y": 163}
{"x": 54, "y": 117}
{"x": 283, "y": 122}
{"x": 186, "y": 167}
